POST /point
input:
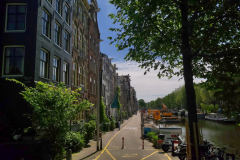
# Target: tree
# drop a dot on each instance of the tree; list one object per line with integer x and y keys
{"x": 158, "y": 103}
{"x": 192, "y": 36}
{"x": 53, "y": 108}
{"x": 142, "y": 103}
{"x": 103, "y": 115}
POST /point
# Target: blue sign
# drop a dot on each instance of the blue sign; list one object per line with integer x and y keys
{"x": 146, "y": 130}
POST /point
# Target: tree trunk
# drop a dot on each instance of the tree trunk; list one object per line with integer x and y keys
{"x": 188, "y": 78}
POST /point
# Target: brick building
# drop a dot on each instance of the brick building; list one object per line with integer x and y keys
{"x": 80, "y": 50}
{"x": 94, "y": 53}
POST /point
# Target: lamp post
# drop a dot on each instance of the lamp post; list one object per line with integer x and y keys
{"x": 98, "y": 96}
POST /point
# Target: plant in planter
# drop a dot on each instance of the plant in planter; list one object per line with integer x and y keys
{"x": 150, "y": 135}
{"x": 155, "y": 139}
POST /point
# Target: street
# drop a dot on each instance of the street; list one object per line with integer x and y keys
{"x": 112, "y": 145}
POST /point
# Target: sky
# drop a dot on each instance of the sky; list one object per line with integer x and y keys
{"x": 148, "y": 87}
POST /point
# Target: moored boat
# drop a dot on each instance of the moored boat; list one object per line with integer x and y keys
{"x": 215, "y": 117}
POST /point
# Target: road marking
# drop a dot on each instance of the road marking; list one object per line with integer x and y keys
{"x": 149, "y": 155}
{"x": 166, "y": 155}
{"x": 130, "y": 127}
{"x": 132, "y": 155}
{"x": 112, "y": 139}
{"x": 110, "y": 154}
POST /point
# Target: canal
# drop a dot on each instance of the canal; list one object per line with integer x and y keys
{"x": 217, "y": 133}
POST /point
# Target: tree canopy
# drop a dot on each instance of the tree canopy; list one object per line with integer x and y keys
{"x": 142, "y": 103}
{"x": 189, "y": 38}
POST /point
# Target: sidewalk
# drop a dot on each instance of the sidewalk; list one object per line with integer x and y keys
{"x": 91, "y": 151}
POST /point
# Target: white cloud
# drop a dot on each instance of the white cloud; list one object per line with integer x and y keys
{"x": 149, "y": 86}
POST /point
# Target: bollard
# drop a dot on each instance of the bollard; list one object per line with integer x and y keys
{"x": 101, "y": 144}
{"x": 69, "y": 155}
{"x": 122, "y": 142}
{"x": 143, "y": 143}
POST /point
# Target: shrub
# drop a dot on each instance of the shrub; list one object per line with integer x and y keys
{"x": 155, "y": 139}
{"x": 151, "y": 134}
{"x": 112, "y": 124}
{"x": 105, "y": 125}
{"x": 209, "y": 108}
{"x": 74, "y": 141}
{"x": 92, "y": 117}
{"x": 88, "y": 130}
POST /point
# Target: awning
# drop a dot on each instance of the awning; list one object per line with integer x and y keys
{"x": 115, "y": 102}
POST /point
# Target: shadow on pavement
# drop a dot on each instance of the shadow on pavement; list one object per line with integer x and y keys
{"x": 89, "y": 155}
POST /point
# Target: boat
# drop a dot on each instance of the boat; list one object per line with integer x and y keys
{"x": 230, "y": 120}
{"x": 200, "y": 114}
{"x": 215, "y": 117}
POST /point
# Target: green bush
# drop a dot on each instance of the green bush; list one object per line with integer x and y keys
{"x": 92, "y": 117}
{"x": 155, "y": 139}
{"x": 112, "y": 124}
{"x": 74, "y": 141}
{"x": 151, "y": 134}
{"x": 88, "y": 130}
{"x": 105, "y": 125}
{"x": 209, "y": 108}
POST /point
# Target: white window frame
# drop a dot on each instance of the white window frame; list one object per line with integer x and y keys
{"x": 47, "y": 63}
{"x": 66, "y": 71}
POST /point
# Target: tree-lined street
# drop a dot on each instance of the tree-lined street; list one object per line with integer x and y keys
{"x": 112, "y": 145}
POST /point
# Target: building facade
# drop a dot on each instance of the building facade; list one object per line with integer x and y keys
{"x": 35, "y": 46}
{"x": 79, "y": 46}
{"x": 94, "y": 54}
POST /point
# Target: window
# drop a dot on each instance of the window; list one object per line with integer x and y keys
{"x": 44, "y": 63}
{"x": 93, "y": 45}
{"x": 56, "y": 69}
{"x": 91, "y": 87}
{"x": 46, "y": 23}
{"x": 80, "y": 13}
{"x": 80, "y": 75}
{"x": 84, "y": 19}
{"x": 65, "y": 73}
{"x": 84, "y": 78}
{"x": 50, "y": 1}
{"x": 66, "y": 8}
{"x": 94, "y": 65}
{"x": 58, "y": 6}
{"x": 16, "y": 17}
{"x": 95, "y": 89}
{"x": 94, "y": 17}
{"x": 74, "y": 74}
{"x": 66, "y": 40}
{"x": 91, "y": 42}
{"x": 80, "y": 39}
{"x": 75, "y": 37}
{"x": 84, "y": 46}
{"x": 13, "y": 61}
{"x": 57, "y": 34}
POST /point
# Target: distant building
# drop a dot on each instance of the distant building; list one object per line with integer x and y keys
{"x": 94, "y": 53}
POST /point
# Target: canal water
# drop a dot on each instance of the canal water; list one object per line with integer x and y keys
{"x": 218, "y": 134}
